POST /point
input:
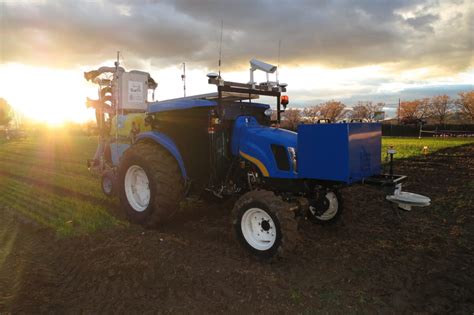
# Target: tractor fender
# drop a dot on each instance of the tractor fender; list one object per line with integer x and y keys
{"x": 166, "y": 142}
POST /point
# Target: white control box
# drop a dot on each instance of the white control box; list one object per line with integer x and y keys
{"x": 133, "y": 90}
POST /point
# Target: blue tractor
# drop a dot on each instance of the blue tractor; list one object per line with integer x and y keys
{"x": 226, "y": 144}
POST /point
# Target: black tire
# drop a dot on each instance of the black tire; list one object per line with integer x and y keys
{"x": 108, "y": 184}
{"x": 318, "y": 206}
{"x": 164, "y": 181}
{"x": 284, "y": 220}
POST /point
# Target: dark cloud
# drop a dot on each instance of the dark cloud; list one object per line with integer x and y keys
{"x": 423, "y": 22}
{"x": 335, "y": 33}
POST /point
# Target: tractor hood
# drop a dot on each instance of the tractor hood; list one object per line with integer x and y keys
{"x": 264, "y": 146}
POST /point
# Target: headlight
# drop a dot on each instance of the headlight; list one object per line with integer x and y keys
{"x": 268, "y": 112}
{"x": 293, "y": 161}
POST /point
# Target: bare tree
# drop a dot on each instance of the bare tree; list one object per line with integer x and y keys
{"x": 346, "y": 114}
{"x": 310, "y": 114}
{"x": 5, "y": 112}
{"x": 439, "y": 108}
{"x": 291, "y": 118}
{"x": 466, "y": 104}
{"x": 366, "y": 110}
{"x": 359, "y": 112}
{"x": 413, "y": 111}
{"x": 332, "y": 110}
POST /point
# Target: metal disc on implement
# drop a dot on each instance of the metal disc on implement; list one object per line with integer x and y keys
{"x": 406, "y": 200}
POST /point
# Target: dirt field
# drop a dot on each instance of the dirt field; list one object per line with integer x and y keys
{"x": 372, "y": 262}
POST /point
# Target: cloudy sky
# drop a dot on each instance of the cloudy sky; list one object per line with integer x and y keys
{"x": 342, "y": 49}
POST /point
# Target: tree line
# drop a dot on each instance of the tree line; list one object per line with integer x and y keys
{"x": 5, "y": 112}
{"x": 437, "y": 108}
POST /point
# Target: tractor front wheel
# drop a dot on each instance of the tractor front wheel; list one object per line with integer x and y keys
{"x": 265, "y": 224}
{"x": 151, "y": 185}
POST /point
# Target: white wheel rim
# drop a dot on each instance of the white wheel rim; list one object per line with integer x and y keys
{"x": 332, "y": 208}
{"x": 137, "y": 188}
{"x": 258, "y": 229}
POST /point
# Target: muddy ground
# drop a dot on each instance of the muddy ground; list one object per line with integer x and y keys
{"x": 371, "y": 262}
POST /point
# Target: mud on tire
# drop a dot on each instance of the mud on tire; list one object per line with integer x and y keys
{"x": 164, "y": 178}
{"x": 269, "y": 214}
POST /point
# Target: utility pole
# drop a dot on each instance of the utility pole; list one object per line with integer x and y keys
{"x": 398, "y": 112}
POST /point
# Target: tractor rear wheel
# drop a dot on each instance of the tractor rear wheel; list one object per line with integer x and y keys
{"x": 265, "y": 224}
{"x": 150, "y": 184}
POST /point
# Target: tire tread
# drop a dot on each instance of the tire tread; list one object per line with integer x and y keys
{"x": 281, "y": 209}
{"x": 167, "y": 178}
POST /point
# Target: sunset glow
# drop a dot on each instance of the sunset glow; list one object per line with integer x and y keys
{"x": 49, "y": 95}
{"x": 377, "y": 52}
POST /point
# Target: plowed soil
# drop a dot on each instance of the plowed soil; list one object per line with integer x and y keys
{"x": 376, "y": 260}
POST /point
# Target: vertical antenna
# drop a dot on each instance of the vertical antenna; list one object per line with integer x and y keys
{"x": 116, "y": 98}
{"x": 220, "y": 48}
{"x": 183, "y": 77}
{"x": 117, "y": 64}
{"x": 278, "y": 65}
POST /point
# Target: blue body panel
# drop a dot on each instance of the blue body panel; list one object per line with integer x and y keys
{"x": 255, "y": 140}
{"x": 180, "y": 104}
{"x": 339, "y": 152}
{"x": 168, "y": 144}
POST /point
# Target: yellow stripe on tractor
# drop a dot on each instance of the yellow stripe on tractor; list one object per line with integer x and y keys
{"x": 257, "y": 162}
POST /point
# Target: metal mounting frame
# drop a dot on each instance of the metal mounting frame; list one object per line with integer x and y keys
{"x": 250, "y": 89}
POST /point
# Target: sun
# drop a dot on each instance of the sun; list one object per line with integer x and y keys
{"x": 53, "y": 96}
{"x": 54, "y": 121}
